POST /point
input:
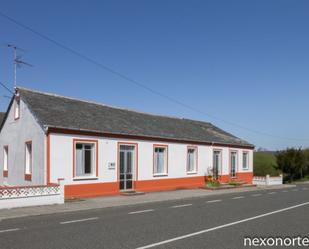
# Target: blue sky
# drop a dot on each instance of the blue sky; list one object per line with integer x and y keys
{"x": 246, "y": 62}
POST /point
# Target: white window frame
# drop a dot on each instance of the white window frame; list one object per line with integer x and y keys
{"x": 5, "y": 158}
{"x": 93, "y": 174}
{"x": 245, "y": 167}
{"x": 189, "y": 169}
{"x": 155, "y": 161}
{"x": 28, "y": 158}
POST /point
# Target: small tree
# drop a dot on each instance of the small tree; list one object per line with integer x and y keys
{"x": 306, "y": 169}
{"x": 292, "y": 162}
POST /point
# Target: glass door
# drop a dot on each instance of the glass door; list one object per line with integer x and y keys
{"x": 216, "y": 164}
{"x": 127, "y": 165}
{"x": 233, "y": 163}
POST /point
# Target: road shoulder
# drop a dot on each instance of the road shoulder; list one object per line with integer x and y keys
{"x": 116, "y": 201}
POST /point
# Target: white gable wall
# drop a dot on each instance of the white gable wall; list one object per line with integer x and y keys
{"x": 14, "y": 134}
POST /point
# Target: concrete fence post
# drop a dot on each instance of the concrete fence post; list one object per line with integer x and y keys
{"x": 267, "y": 180}
{"x": 61, "y": 185}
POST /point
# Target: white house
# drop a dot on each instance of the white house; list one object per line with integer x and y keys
{"x": 103, "y": 150}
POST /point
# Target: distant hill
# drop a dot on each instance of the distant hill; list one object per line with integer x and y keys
{"x": 265, "y": 163}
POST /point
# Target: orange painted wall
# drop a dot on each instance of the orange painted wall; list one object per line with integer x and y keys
{"x": 170, "y": 184}
{"x": 240, "y": 176}
{"x": 112, "y": 188}
{"x": 91, "y": 190}
{"x": 245, "y": 176}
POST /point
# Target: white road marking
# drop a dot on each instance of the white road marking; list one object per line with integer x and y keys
{"x": 142, "y": 211}
{"x": 213, "y": 201}
{"x": 256, "y": 195}
{"x": 272, "y": 193}
{"x": 238, "y": 197}
{"x": 294, "y": 189}
{"x": 222, "y": 226}
{"x": 180, "y": 206}
{"x": 75, "y": 221}
{"x": 9, "y": 230}
{"x": 285, "y": 191}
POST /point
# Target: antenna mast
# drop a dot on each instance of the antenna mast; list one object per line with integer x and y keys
{"x": 17, "y": 62}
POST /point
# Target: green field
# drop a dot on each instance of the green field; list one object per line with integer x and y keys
{"x": 265, "y": 164}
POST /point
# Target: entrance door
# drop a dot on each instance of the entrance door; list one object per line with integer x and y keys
{"x": 216, "y": 164}
{"x": 127, "y": 165}
{"x": 233, "y": 163}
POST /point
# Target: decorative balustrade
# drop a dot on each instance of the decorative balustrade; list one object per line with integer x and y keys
{"x": 23, "y": 196}
{"x": 29, "y": 191}
{"x": 268, "y": 180}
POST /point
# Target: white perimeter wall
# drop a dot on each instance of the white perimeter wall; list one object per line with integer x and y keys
{"x": 61, "y": 154}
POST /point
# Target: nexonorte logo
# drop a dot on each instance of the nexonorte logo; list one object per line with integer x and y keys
{"x": 297, "y": 241}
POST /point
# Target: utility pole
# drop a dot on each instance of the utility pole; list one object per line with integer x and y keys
{"x": 17, "y": 62}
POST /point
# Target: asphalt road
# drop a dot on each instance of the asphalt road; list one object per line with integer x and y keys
{"x": 208, "y": 222}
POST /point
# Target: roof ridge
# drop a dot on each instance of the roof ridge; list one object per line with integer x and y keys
{"x": 106, "y": 105}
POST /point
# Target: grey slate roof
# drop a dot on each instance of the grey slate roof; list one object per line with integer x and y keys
{"x": 2, "y": 116}
{"x": 63, "y": 112}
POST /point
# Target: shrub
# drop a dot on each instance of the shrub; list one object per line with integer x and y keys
{"x": 213, "y": 183}
{"x": 292, "y": 162}
{"x": 265, "y": 164}
{"x": 233, "y": 183}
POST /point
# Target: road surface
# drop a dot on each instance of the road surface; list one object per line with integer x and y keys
{"x": 213, "y": 222}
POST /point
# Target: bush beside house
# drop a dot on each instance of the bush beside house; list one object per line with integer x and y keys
{"x": 265, "y": 164}
{"x": 294, "y": 163}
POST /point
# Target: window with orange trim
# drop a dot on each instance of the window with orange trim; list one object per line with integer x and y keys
{"x": 85, "y": 165}
{"x": 160, "y": 160}
{"x": 191, "y": 160}
{"x": 5, "y": 161}
{"x": 17, "y": 108}
{"x": 28, "y": 158}
{"x": 245, "y": 160}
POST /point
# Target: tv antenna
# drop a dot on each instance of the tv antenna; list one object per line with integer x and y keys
{"x": 17, "y": 61}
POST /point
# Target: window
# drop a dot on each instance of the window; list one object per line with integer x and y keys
{"x": 233, "y": 163}
{"x": 5, "y": 161}
{"x": 160, "y": 160}
{"x": 217, "y": 163}
{"x": 17, "y": 109}
{"x": 84, "y": 159}
{"x": 245, "y": 160}
{"x": 192, "y": 160}
{"x": 28, "y": 166}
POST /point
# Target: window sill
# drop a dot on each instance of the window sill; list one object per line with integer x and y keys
{"x": 28, "y": 177}
{"x": 158, "y": 175}
{"x": 85, "y": 178}
{"x": 245, "y": 169}
{"x": 5, "y": 173}
{"x": 191, "y": 172}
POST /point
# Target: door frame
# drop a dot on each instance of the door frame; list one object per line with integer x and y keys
{"x": 220, "y": 170}
{"x": 236, "y": 163}
{"x": 134, "y": 179}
